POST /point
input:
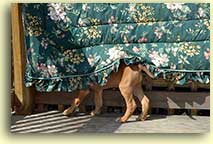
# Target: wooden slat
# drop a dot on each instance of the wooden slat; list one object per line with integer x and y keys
{"x": 188, "y": 100}
{"x": 165, "y": 83}
{"x": 23, "y": 94}
{"x": 54, "y": 97}
{"x": 159, "y": 99}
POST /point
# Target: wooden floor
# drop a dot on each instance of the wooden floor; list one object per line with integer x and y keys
{"x": 55, "y": 122}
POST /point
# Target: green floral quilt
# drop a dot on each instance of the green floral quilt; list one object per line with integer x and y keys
{"x": 71, "y": 45}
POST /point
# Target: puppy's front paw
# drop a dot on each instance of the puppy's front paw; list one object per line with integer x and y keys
{"x": 70, "y": 110}
{"x": 94, "y": 113}
{"x": 122, "y": 120}
{"x": 142, "y": 117}
{"x": 66, "y": 112}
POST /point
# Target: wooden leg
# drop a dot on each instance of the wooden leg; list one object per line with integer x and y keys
{"x": 194, "y": 112}
{"x": 24, "y": 95}
{"x": 171, "y": 86}
{"x": 170, "y": 111}
{"x": 26, "y": 103}
{"x": 40, "y": 108}
{"x": 60, "y": 107}
{"x": 12, "y": 100}
{"x": 157, "y": 110}
{"x": 194, "y": 87}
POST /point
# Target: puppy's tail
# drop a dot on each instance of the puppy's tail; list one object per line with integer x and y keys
{"x": 144, "y": 68}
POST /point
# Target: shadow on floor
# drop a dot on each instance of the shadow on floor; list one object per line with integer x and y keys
{"x": 56, "y": 122}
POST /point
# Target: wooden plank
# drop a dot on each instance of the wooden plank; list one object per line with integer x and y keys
{"x": 12, "y": 100}
{"x": 12, "y": 91}
{"x": 55, "y": 97}
{"x": 159, "y": 99}
{"x": 188, "y": 100}
{"x": 24, "y": 95}
{"x": 165, "y": 83}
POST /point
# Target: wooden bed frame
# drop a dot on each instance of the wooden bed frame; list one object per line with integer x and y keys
{"x": 26, "y": 98}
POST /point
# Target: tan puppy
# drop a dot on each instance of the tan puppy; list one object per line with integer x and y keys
{"x": 128, "y": 79}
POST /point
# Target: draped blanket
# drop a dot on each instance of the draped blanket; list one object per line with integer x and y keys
{"x": 70, "y": 46}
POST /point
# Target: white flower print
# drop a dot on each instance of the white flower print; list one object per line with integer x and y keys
{"x": 114, "y": 28}
{"x": 116, "y": 53}
{"x": 207, "y": 54}
{"x": 132, "y": 8}
{"x": 135, "y": 49}
{"x": 46, "y": 71}
{"x": 52, "y": 70}
{"x": 158, "y": 33}
{"x": 159, "y": 59}
{"x": 111, "y": 20}
{"x": 44, "y": 42}
{"x": 174, "y": 6}
{"x": 90, "y": 60}
{"x": 202, "y": 12}
{"x": 57, "y": 12}
{"x": 85, "y": 7}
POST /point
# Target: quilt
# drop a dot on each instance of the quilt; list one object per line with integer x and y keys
{"x": 71, "y": 45}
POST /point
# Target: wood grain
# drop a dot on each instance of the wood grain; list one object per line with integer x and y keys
{"x": 24, "y": 95}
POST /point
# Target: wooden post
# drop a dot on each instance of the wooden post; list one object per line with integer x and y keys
{"x": 194, "y": 111}
{"x": 194, "y": 86}
{"x": 23, "y": 94}
{"x": 171, "y": 111}
{"x": 61, "y": 107}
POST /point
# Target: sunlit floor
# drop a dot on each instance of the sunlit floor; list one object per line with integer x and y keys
{"x": 55, "y": 122}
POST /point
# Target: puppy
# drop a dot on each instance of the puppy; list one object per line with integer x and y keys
{"x": 128, "y": 79}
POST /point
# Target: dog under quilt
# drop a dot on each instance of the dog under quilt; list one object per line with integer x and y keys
{"x": 69, "y": 46}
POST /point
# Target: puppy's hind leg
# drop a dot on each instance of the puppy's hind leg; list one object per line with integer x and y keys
{"x": 98, "y": 101}
{"x": 130, "y": 103}
{"x": 138, "y": 91}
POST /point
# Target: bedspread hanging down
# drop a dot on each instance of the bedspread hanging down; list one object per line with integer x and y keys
{"x": 69, "y": 46}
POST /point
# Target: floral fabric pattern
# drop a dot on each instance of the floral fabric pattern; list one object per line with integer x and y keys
{"x": 71, "y": 45}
